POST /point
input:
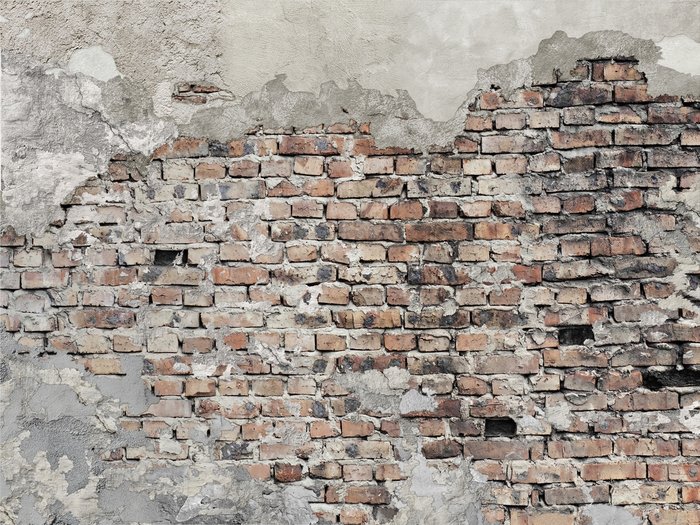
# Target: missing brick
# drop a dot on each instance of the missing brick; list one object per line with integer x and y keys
{"x": 575, "y": 335}
{"x": 170, "y": 257}
{"x": 658, "y": 379}
{"x": 500, "y": 427}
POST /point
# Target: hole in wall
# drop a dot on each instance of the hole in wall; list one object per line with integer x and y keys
{"x": 575, "y": 335}
{"x": 169, "y": 257}
{"x": 500, "y": 427}
{"x": 658, "y": 379}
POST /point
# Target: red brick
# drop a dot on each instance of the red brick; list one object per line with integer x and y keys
{"x": 579, "y": 448}
{"x": 500, "y": 450}
{"x": 321, "y": 145}
{"x": 182, "y": 147}
{"x": 242, "y": 275}
{"x": 673, "y": 115}
{"x": 575, "y": 94}
{"x": 438, "y": 231}
{"x": 526, "y": 472}
{"x": 471, "y": 342}
{"x": 356, "y": 428}
{"x": 406, "y": 210}
{"x": 365, "y": 231}
{"x": 646, "y": 447}
{"x": 200, "y": 387}
{"x": 108, "y": 318}
{"x": 581, "y": 139}
{"x": 613, "y": 471}
{"x": 32, "y": 280}
{"x": 478, "y": 122}
{"x": 647, "y": 401}
{"x": 674, "y": 517}
{"x": 286, "y": 473}
{"x": 369, "y": 495}
{"x": 616, "y": 71}
{"x": 208, "y": 170}
{"x": 442, "y": 448}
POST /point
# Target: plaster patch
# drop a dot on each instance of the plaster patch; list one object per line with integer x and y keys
{"x": 414, "y": 401}
{"x": 609, "y": 515}
{"x": 94, "y": 62}
{"x": 680, "y": 53}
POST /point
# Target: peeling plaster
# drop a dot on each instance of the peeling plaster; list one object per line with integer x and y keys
{"x": 62, "y": 127}
{"x": 433, "y": 494}
{"x": 95, "y": 62}
{"x": 76, "y": 92}
{"x": 609, "y": 515}
{"x": 680, "y": 53}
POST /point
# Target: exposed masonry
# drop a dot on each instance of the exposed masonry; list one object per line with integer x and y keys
{"x": 516, "y": 313}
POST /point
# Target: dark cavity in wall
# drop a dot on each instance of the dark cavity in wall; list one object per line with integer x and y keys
{"x": 575, "y": 335}
{"x": 658, "y": 379}
{"x": 168, "y": 257}
{"x": 500, "y": 427}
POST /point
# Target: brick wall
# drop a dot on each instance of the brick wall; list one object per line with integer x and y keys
{"x": 532, "y": 289}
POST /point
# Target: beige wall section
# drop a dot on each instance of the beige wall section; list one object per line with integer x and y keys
{"x": 431, "y": 48}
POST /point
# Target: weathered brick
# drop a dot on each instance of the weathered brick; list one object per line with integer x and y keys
{"x": 500, "y": 450}
{"x": 579, "y": 116}
{"x": 645, "y": 136}
{"x": 510, "y": 120}
{"x": 241, "y": 275}
{"x": 34, "y": 280}
{"x": 516, "y": 143}
{"x": 365, "y": 231}
{"x": 672, "y": 158}
{"x": 576, "y": 94}
{"x": 320, "y": 145}
{"x": 441, "y": 449}
{"x": 356, "y": 189}
{"x": 586, "y": 138}
{"x": 613, "y": 471}
{"x": 438, "y": 231}
{"x": 660, "y": 114}
{"x": 182, "y": 147}
{"x": 647, "y": 401}
{"x": 579, "y": 448}
{"x": 478, "y": 122}
{"x": 525, "y": 472}
{"x": 674, "y": 516}
{"x": 108, "y": 318}
{"x": 369, "y": 495}
{"x": 521, "y": 98}
{"x": 527, "y": 363}
{"x": 577, "y": 495}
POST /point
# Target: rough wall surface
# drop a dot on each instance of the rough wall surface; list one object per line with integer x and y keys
{"x": 304, "y": 326}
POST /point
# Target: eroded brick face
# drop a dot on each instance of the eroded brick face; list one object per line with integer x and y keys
{"x": 528, "y": 295}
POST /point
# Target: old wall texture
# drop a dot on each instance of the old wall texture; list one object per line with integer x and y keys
{"x": 227, "y": 297}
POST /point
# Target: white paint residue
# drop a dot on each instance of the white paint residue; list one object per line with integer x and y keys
{"x": 94, "y": 62}
{"x": 689, "y": 417}
{"x": 680, "y": 53}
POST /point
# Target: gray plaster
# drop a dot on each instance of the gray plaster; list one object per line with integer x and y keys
{"x": 63, "y": 480}
{"x": 609, "y": 515}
